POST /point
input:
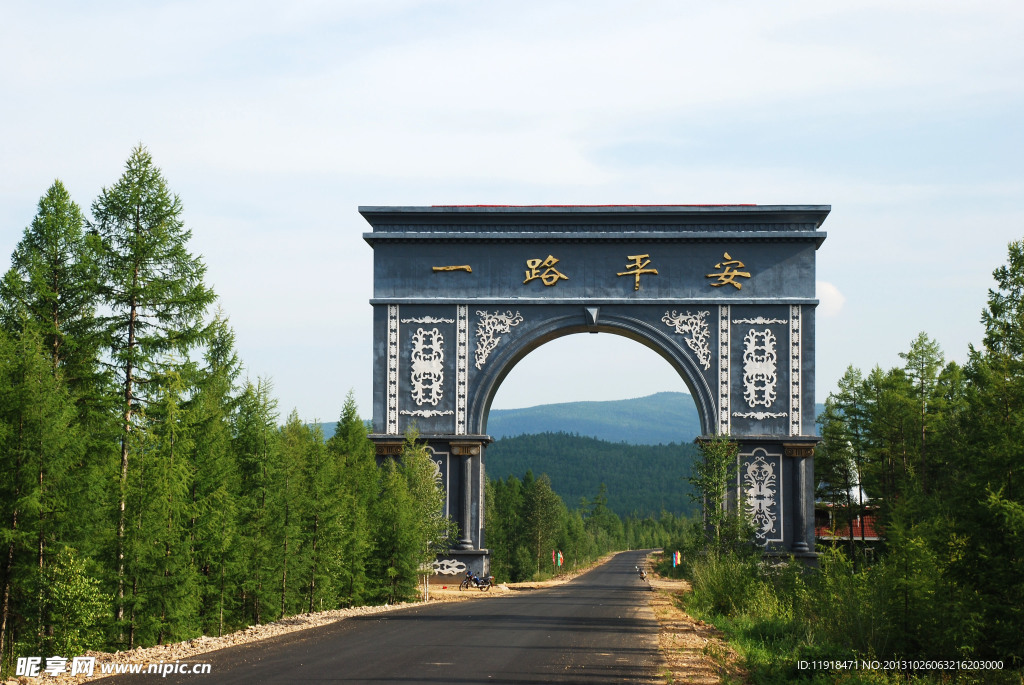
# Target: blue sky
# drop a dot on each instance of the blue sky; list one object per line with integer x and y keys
{"x": 275, "y": 121}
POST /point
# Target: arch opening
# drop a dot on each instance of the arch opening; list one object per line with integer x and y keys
{"x": 578, "y": 367}
{"x": 624, "y": 327}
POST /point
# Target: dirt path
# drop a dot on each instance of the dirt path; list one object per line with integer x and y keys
{"x": 694, "y": 651}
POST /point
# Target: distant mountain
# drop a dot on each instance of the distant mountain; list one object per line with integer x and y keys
{"x": 662, "y": 418}
{"x": 658, "y": 419}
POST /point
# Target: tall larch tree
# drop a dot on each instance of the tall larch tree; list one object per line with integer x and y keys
{"x": 358, "y": 489}
{"x": 53, "y": 288}
{"x": 213, "y": 527}
{"x": 256, "y": 448}
{"x": 54, "y": 282}
{"x": 154, "y": 296}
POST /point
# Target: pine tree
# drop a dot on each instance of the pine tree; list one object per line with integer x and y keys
{"x": 256, "y": 452}
{"x": 322, "y": 522}
{"x": 287, "y": 510}
{"x": 40, "y": 445}
{"x": 394, "y": 560}
{"x": 542, "y": 518}
{"x": 153, "y": 289}
{"x": 53, "y": 281}
{"x": 213, "y": 527}
{"x": 924, "y": 362}
{"x": 165, "y": 592}
{"x": 410, "y": 525}
{"x": 358, "y": 488}
{"x": 52, "y": 287}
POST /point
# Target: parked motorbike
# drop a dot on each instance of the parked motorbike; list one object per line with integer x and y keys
{"x": 473, "y": 580}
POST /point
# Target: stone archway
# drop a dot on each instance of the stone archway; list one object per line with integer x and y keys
{"x": 724, "y": 293}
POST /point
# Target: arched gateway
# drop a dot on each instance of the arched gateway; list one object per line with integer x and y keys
{"x": 724, "y": 293}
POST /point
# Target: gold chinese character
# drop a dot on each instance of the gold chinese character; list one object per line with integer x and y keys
{"x": 729, "y": 272}
{"x": 639, "y": 265}
{"x": 549, "y": 276}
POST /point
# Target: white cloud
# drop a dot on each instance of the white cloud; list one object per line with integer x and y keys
{"x": 830, "y": 299}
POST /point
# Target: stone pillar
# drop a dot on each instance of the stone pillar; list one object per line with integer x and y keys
{"x": 803, "y": 500}
{"x": 466, "y": 451}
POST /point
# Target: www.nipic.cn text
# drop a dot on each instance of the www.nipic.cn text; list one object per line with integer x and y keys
{"x": 32, "y": 666}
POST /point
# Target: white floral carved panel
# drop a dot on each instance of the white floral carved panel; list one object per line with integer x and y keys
{"x": 426, "y": 413}
{"x": 760, "y": 496}
{"x": 760, "y": 368}
{"x": 694, "y": 329}
{"x": 428, "y": 319}
{"x": 427, "y": 361}
{"x": 449, "y": 567}
{"x": 489, "y": 329}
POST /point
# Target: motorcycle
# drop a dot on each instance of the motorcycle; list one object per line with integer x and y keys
{"x": 473, "y": 580}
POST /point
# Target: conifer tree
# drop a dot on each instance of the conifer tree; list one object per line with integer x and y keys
{"x": 39, "y": 444}
{"x": 322, "y": 523}
{"x": 394, "y": 558}
{"x": 542, "y": 518}
{"x": 53, "y": 281}
{"x": 256, "y": 448}
{"x": 164, "y": 583}
{"x": 213, "y": 526}
{"x": 52, "y": 287}
{"x": 287, "y": 508}
{"x": 409, "y": 522}
{"x": 153, "y": 290}
{"x": 358, "y": 489}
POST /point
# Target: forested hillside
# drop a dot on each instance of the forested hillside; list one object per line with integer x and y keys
{"x": 641, "y": 479}
{"x": 662, "y": 418}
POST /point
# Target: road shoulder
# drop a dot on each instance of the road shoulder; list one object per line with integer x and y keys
{"x": 694, "y": 651}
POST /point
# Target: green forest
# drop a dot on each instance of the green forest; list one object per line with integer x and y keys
{"x": 151, "y": 493}
{"x": 641, "y": 479}
{"x": 937, "y": 447}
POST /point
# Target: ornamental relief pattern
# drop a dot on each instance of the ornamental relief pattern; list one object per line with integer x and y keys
{"x": 488, "y": 330}
{"x": 694, "y": 329}
{"x": 760, "y": 415}
{"x": 795, "y": 369}
{"x": 759, "y": 491}
{"x": 759, "y": 321}
{"x": 724, "y": 374}
{"x": 426, "y": 413}
{"x": 428, "y": 319}
{"x": 427, "y": 373}
{"x": 449, "y": 567}
{"x": 392, "y": 398}
{"x": 461, "y": 368}
{"x": 759, "y": 368}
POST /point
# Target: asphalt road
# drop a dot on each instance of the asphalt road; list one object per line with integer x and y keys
{"x": 597, "y": 628}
